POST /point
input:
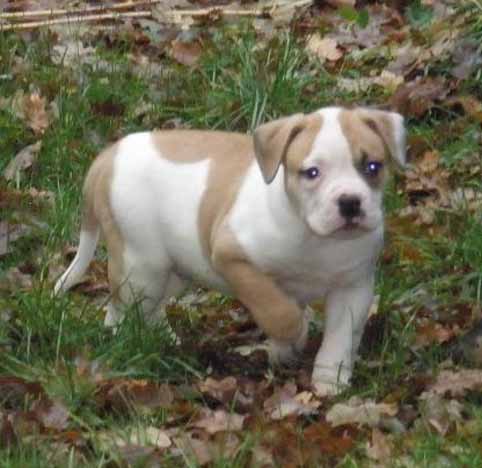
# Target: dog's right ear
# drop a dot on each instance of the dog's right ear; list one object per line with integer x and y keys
{"x": 271, "y": 141}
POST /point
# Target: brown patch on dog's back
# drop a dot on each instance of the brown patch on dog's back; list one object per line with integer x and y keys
{"x": 230, "y": 156}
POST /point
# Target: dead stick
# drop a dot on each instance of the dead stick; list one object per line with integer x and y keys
{"x": 228, "y": 12}
{"x": 73, "y": 19}
{"x": 77, "y": 11}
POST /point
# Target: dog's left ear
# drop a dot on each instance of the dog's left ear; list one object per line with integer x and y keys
{"x": 271, "y": 141}
{"x": 391, "y": 129}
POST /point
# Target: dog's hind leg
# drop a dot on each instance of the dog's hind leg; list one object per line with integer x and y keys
{"x": 148, "y": 282}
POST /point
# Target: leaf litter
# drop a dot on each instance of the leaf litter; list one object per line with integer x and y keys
{"x": 385, "y": 51}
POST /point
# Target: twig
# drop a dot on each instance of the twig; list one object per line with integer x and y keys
{"x": 269, "y": 8}
{"x": 77, "y": 11}
{"x": 229, "y": 12}
{"x": 73, "y": 19}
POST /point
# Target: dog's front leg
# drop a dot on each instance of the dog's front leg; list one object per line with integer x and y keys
{"x": 346, "y": 312}
{"x": 275, "y": 313}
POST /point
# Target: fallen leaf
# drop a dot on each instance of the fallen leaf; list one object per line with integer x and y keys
{"x": 190, "y": 447}
{"x": 52, "y": 414}
{"x": 416, "y": 98}
{"x": 186, "y": 53}
{"x": 286, "y": 402}
{"x": 358, "y": 411}
{"x": 223, "y": 390}
{"x": 467, "y": 57}
{"x": 470, "y": 105}
{"x": 327, "y": 440}
{"x": 470, "y": 345}
{"x": 381, "y": 447}
{"x": 430, "y": 332}
{"x": 23, "y": 160}
{"x": 8, "y": 438}
{"x": 440, "y": 413}
{"x": 324, "y": 48}
{"x": 121, "y": 395}
{"x": 36, "y": 114}
{"x": 14, "y": 280}
{"x": 457, "y": 383}
{"x": 219, "y": 420}
{"x": 14, "y": 391}
{"x": 10, "y": 232}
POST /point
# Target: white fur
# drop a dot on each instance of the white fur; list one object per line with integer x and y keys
{"x": 80, "y": 263}
{"x": 156, "y": 204}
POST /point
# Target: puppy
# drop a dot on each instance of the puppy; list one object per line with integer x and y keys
{"x": 278, "y": 219}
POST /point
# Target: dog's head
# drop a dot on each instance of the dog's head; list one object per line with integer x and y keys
{"x": 335, "y": 164}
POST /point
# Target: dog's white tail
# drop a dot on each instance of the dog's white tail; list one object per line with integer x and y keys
{"x": 85, "y": 253}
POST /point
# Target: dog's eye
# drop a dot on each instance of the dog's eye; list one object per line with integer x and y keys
{"x": 310, "y": 173}
{"x": 372, "y": 168}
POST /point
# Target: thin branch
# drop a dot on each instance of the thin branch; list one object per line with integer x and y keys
{"x": 73, "y": 19}
{"x": 268, "y": 9}
{"x": 77, "y": 11}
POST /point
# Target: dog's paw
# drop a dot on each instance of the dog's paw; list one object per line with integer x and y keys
{"x": 282, "y": 354}
{"x": 288, "y": 353}
{"x": 327, "y": 389}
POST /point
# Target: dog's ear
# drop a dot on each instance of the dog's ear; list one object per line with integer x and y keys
{"x": 391, "y": 129}
{"x": 271, "y": 141}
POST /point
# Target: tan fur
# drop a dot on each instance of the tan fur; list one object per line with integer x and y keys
{"x": 297, "y": 152}
{"x": 363, "y": 140}
{"x": 274, "y": 312}
{"x": 230, "y": 153}
{"x": 271, "y": 141}
{"x": 98, "y": 210}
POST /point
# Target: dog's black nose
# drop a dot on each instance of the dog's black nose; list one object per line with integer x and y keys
{"x": 349, "y": 205}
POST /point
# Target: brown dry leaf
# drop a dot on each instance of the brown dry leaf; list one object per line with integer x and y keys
{"x": 23, "y": 160}
{"x": 358, "y": 411}
{"x": 36, "y": 113}
{"x": 381, "y": 447}
{"x": 52, "y": 414}
{"x": 10, "y": 232}
{"x": 324, "y": 48}
{"x": 457, "y": 383}
{"x": 8, "y": 437}
{"x": 416, "y": 98}
{"x": 470, "y": 105}
{"x": 439, "y": 413}
{"x": 429, "y": 333}
{"x": 186, "y": 53}
{"x": 467, "y": 58}
{"x": 14, "y": 279}
{"x": 134, "y": 437}
{"x": 120, "y": 395}
{"x": 204, "y": 448}
{"x": 223, "y": 390}
{"x": 328, "y": 441}
{"x": 14, "y": 391}
{"x": 429, "y": 162}
{"x": 138, "y": 455}
{"x": 219, "y": 420}
{"x": 286, "y": 402}
{"x": 190, "y": 447}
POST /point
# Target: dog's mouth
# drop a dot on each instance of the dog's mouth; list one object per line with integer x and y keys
{"x": 350, "y": 225}
{"x": 352, "y": 228}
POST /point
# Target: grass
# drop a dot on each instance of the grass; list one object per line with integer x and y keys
{"x": 237, "y": 85}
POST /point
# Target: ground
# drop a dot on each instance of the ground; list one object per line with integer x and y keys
{"x": 72, "y": 393}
